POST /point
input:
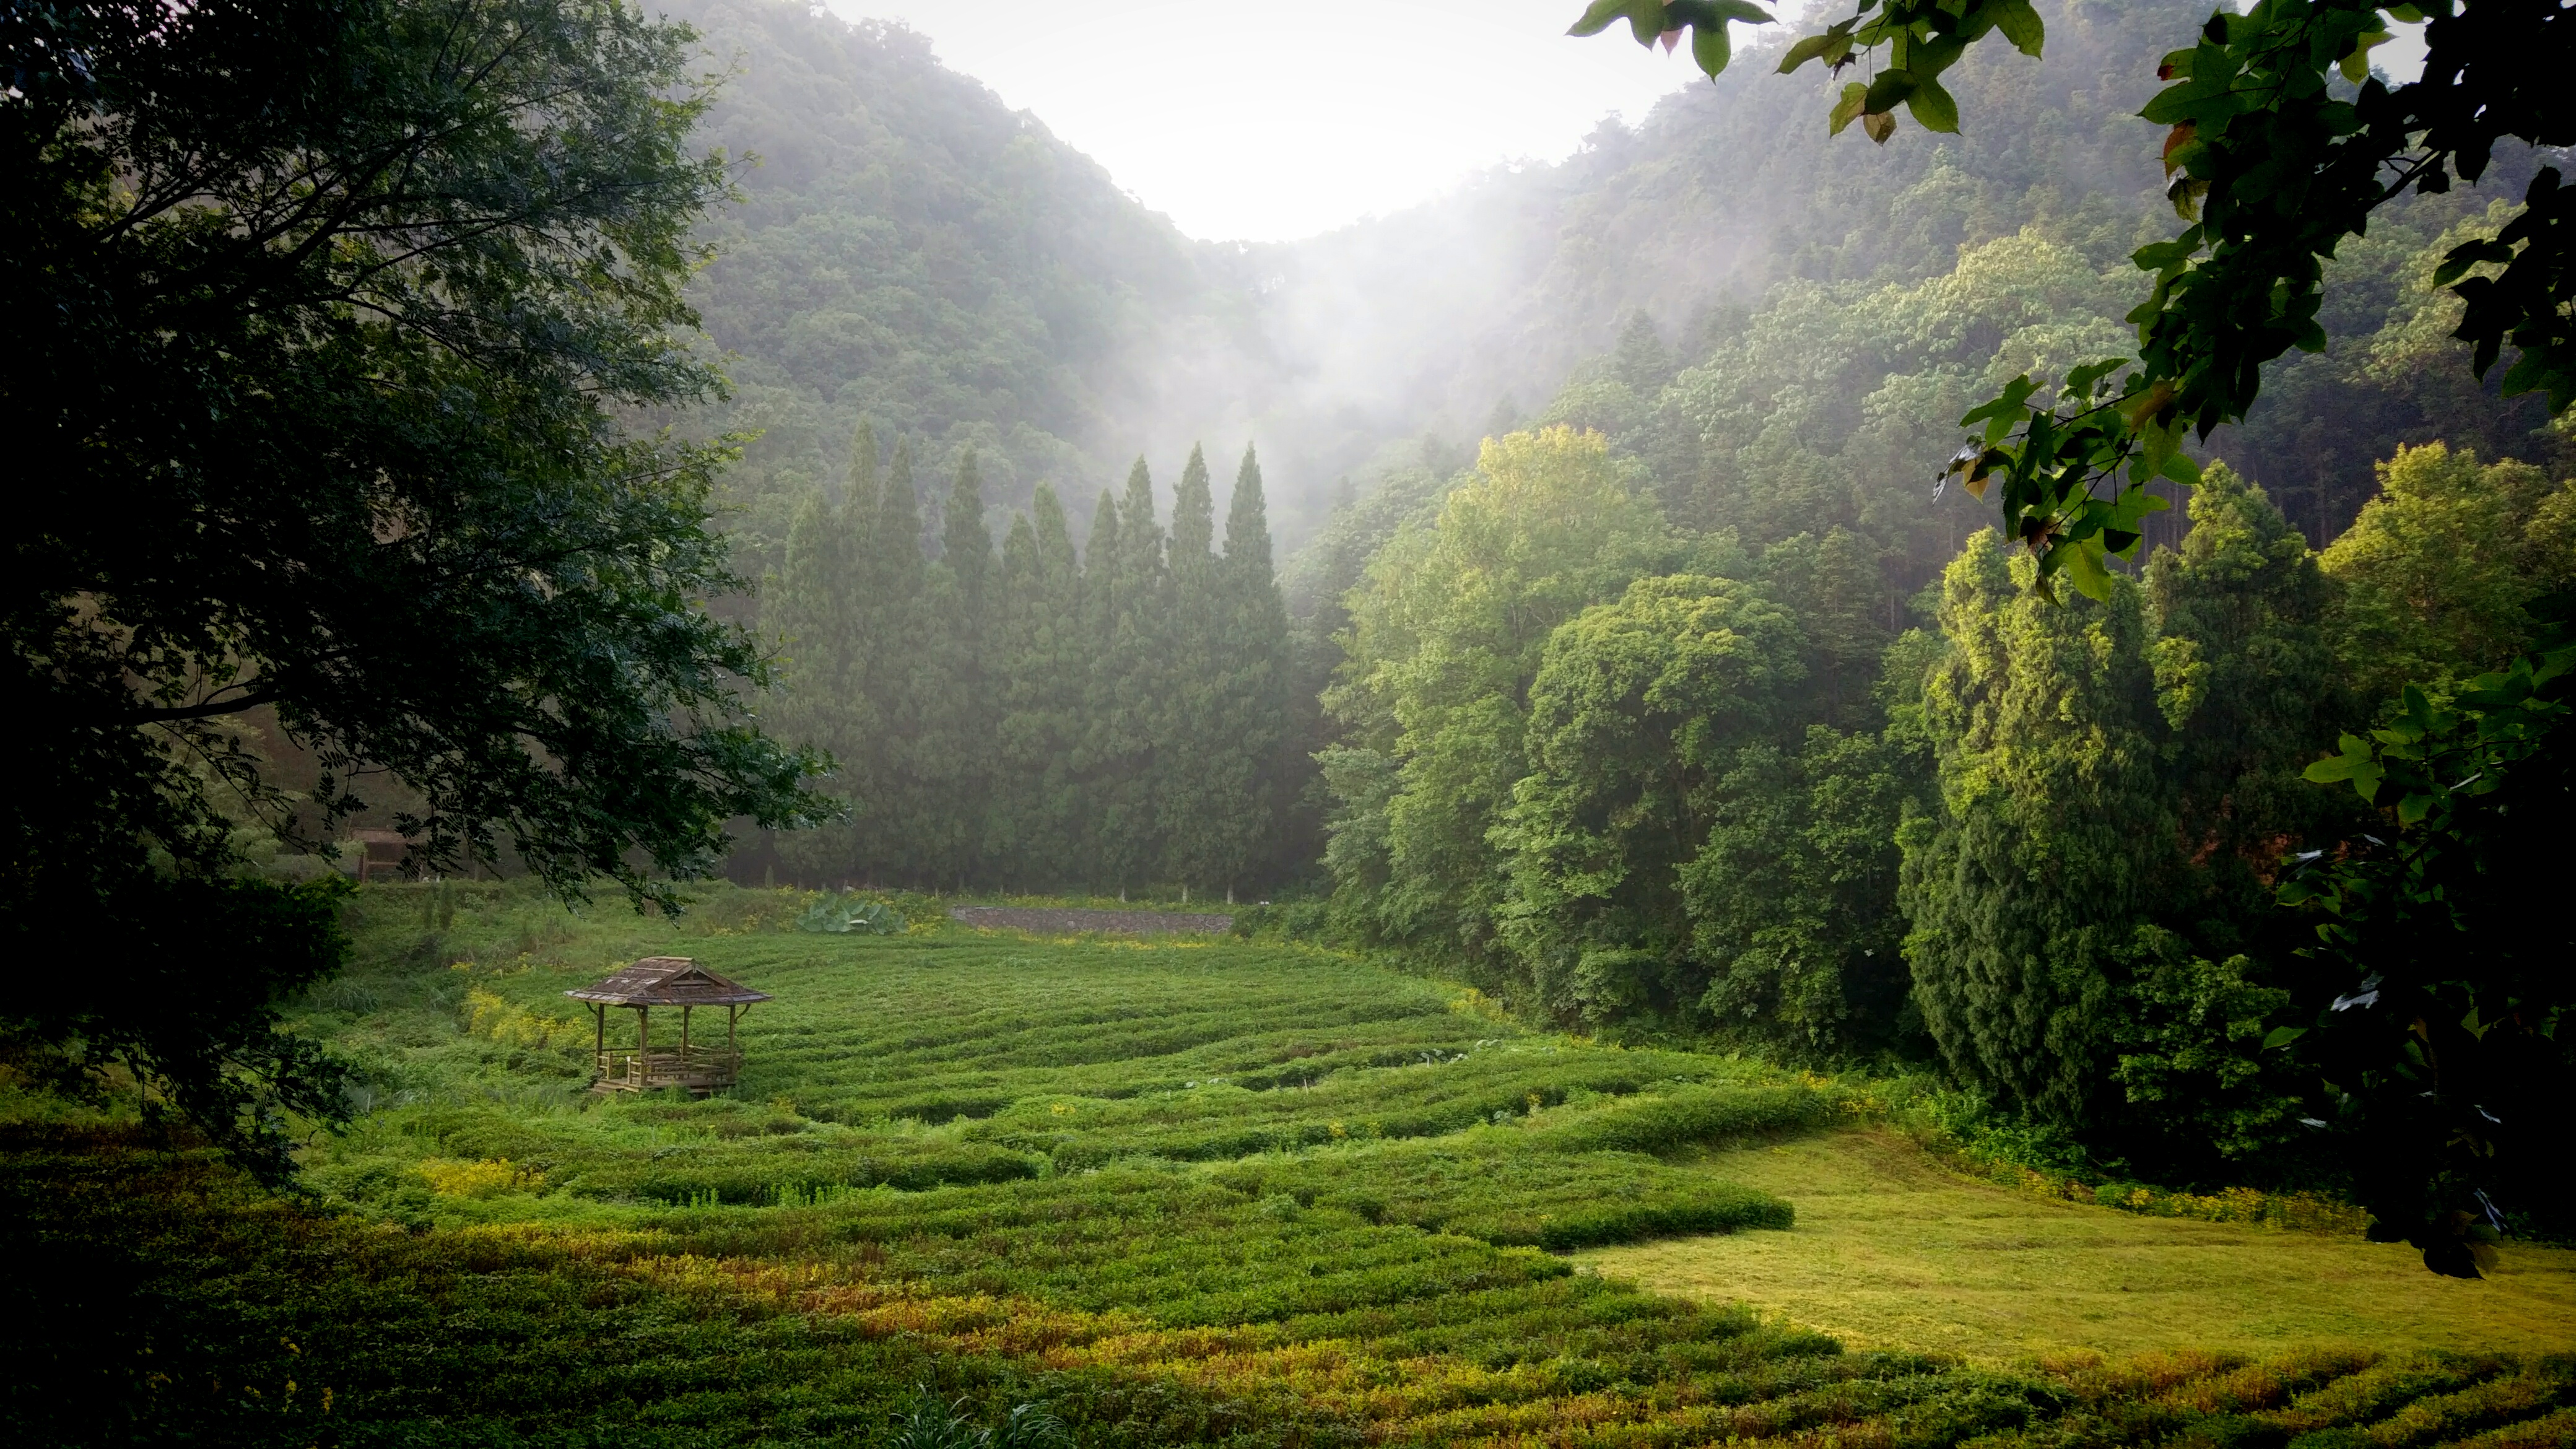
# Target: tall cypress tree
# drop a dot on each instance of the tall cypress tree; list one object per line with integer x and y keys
{"x": 1020, "y": 749}
{"x": 965, "y": 545}
{"x": 1190, "y": 768}
{"x": 822, "y": 606}
{"x": 1042, "y": 665}
{"x": 2053, "y": 839}
{"x": 804, "y": 610}
{"x": 1125, "y": 694}
{"x": 1252, "y": 728}
{"x": 891, "y": 801}
{"x": 1097, "y": 756}
{"x": 949, "y": 772}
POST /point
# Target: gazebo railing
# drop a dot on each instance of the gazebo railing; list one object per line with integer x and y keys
{"x": 699, "y": 1068}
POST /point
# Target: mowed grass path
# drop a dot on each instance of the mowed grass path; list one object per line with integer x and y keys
{"x": 1892, "y": 1250}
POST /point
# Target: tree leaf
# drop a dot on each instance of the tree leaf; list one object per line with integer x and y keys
{"x": 1855, "y": 97}
{"x": 1877, "y": 125}
{"x": 2281, "y": 1036}
{"x": 2021, "y": 25}
{"x": 1597, "y": 17}
{"x": 1891, "y": 86}
{"x": 1709, "y": 47}
{"x": 2083, "y": 567}
{"x": 1811, "y": 48}
{"x": 1933, "y": 108}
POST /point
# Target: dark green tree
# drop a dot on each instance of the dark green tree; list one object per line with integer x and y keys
{"x": 1129, "y": 682}
{"x": 1042, "y": 656}
{"x": 1791, "y": 898}
{"x": 1636, "y": 707}
{"x": 2052, "y": 837}
{"x": 951, "y": 756}
{"x": 347, "y": 305}
{"x": 814, "y": 609}
{"x": 890, "y": 622}
{"x": 1263, "y": 773}
{"x": 1193, "y": 769}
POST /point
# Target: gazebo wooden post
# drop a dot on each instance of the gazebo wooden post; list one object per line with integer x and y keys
{"x": 684, "y": 1038}
{"x": 599, "y": 1040}
{"x": 730, "y": 1013}
{"x": 644, "y": 1046}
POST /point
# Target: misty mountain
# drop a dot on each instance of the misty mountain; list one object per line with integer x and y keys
{"x": 913, "y": 253}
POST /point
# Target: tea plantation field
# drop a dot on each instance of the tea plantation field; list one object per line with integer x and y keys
{"x": 1180, "y": 1191}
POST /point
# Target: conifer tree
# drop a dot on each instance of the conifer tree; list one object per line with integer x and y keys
{"x": 1253, "y": 730}
{"x": 1126, "y": 696}
{"x": 2053, "y": 839}
{"x": 804, "y": 610}
{"x": 820, "y": 606}
{"x": 889, "y": 628}
{"x": 1020, "y": 750}
{"x": 965, "y": 545}
{"x": 1042, "y": 661}
{"x": 1096, "y": 760}
{"x": 1191, "y": 766}
{"x": 950, "y": 751}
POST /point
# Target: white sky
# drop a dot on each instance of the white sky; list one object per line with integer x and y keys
{"x": 1268, "y": 122}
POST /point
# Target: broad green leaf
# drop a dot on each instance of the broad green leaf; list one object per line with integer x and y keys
{"x": 1597, "y": 17}
{"x": 2083, "y": 567}
{"x": 2418, "y": 706}
{"x": 1811, "y": 48}
{"x": 1932, "y": 107}
{"x": 1891, "y": 86}
{"x": 2281, "y": 1036}
{"x": 2080, "y": 382}
{"x": 2356, "y": 66}
{"x": 2006, "y": 406}
{"x": 1710, "y": 48}
{"x": 2021, "y": 25}
{"x": 1846, "y": 110}
{"x": 2181, "y": 469}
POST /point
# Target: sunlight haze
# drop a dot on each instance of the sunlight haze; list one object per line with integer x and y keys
{"x": 1267, "y": 123}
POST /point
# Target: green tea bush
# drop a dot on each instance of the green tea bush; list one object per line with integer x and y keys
{"x": 1684, "y": 1118}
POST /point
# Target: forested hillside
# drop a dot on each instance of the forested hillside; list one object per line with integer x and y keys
{"x": 911, "y": 254}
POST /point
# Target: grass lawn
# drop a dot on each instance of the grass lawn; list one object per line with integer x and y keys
{"x": 1891, "y": 1250}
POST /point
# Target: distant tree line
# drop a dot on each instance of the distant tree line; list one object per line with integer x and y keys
{"x": 1043, "y": 720}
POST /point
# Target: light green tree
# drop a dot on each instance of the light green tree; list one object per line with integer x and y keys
{"x": 1447, "y": 632}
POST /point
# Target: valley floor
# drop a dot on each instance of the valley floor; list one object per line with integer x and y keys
{"x": 1174, "y": 1190}
{"x": 1891, "y": 1250}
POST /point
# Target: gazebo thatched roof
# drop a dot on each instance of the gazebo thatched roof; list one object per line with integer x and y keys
{"x": 668, "y": 981}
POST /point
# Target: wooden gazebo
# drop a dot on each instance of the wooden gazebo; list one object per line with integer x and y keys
{"x": 666, "y": 981}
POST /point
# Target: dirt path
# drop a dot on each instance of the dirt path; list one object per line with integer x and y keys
{"x": 1057, "y": 922}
